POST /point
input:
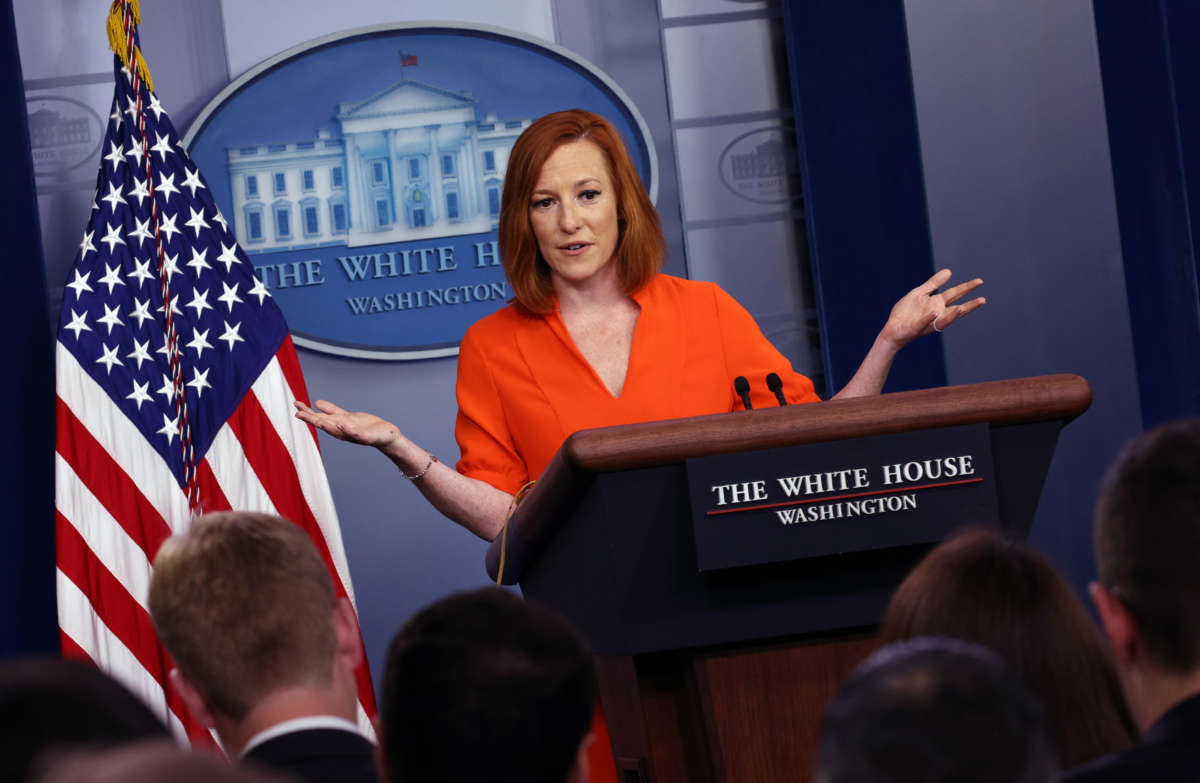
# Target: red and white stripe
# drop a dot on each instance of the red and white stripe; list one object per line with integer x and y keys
{"x": 117, "y": 501}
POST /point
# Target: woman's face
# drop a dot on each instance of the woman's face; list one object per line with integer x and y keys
{"x": 573, "y": 211}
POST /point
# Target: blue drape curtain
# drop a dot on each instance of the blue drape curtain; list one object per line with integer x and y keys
{"x": 864, "y": 189}
{"x": 1150, "y": 67}
{"x": 28, "y": 623}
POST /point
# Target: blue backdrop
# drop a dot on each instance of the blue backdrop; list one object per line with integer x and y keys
{"x": 1012, "y": 176}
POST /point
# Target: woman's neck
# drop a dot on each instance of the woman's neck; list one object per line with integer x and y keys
{"x": 601, "y": 291}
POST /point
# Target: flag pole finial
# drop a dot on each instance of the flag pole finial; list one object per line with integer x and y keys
{"x": 120, "y": 37}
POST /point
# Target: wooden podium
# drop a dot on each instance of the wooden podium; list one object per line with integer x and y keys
{"x": 724, "y": 675}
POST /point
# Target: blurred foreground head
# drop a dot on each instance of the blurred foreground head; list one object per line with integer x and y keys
{"x": 53, "y": 705}
{"x": 934, "y": 711}
{"x": 151, "y": 762}
{"x": 485, "y": 686}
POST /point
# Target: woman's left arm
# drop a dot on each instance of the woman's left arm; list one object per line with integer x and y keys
{"x": 919, "y": 312}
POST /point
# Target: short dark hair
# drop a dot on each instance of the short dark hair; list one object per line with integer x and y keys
{"x": 934, "y": 711}
{"x": 1147, "y": 540}
{"x": 51, "y": 705}
{"x": 984, "y": 585}
{"x": 485, "y": 686}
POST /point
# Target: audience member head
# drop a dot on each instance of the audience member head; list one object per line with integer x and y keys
{"x": 640, "y": 246}
{"x": 55, "y": 705}
{"x": 245, "y": 606}
{"x": 934, "y": 711}
{"x": 1147, "y": 540}
{"x": 151, "y": 762}
{"x": 985, "y": 586}
{"x": 484, "y": 686}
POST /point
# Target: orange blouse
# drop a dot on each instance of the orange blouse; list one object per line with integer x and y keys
{"x": 523, "y": 386}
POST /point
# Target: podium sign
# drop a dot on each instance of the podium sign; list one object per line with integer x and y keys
{"x": 698, "y": 658}
{"x": 840, "y": 496}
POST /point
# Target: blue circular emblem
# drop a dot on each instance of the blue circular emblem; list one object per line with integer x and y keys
{"x": 362, "y": 175}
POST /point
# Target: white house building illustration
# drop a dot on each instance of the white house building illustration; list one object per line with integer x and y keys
{"x": 412, "y": 162}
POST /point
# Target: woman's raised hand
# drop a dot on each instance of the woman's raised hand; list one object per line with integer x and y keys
{"x": 474, "y": 504}
{"x": 925, "y": 309}
{"x": 356, "y": 427}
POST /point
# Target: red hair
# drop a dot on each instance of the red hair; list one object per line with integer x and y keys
{"x": 640, "y": 244}
{"x": 984, "y": 586}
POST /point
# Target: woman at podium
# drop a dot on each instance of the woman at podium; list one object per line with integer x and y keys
{"x": 595, "y": 334}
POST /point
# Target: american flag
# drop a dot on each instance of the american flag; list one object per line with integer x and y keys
{"x": 123, "y": 472}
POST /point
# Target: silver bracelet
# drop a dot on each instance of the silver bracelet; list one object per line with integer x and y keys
{"x": 424, "y": 470}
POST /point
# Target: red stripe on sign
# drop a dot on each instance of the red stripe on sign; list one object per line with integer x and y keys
{"x": 111, "y": 485}
{"x": 289, "y": 364}
{"x": 831, "y": 498}
{"x": 272, "y": 463}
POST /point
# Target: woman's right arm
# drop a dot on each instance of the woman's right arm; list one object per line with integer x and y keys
{"x": 474, "y": 504}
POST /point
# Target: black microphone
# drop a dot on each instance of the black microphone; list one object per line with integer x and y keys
{"x": 742, "y": 387}
{"x": 775, "y": 384}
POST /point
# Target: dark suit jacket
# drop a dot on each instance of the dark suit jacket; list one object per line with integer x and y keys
{"x": 319, "y": 756}
{"x": 1169, "y": 753}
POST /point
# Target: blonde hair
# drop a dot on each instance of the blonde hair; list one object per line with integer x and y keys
{"x": 244, "y": 604}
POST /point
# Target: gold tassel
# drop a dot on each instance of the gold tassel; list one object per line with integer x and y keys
{"x": 117, "y": 38}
